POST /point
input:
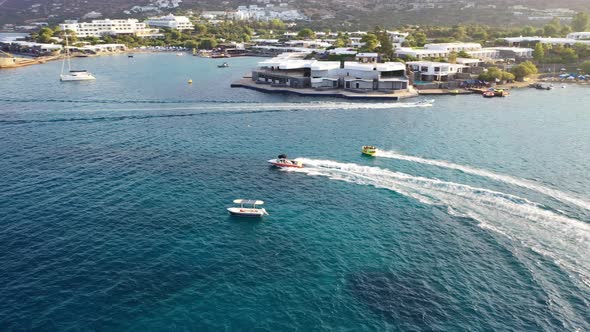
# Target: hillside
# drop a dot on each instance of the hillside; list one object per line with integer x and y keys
{"x": 357, "y": 13}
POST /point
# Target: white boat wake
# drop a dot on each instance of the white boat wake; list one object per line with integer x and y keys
{"x": 524, "y": 183}
{"x": 564, "y": 240}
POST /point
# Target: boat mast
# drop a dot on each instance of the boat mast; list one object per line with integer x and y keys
{"x": 67, "y": 52}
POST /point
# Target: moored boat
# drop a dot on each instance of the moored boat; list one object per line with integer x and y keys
{"x": 369, "y": 150}
{"x": 283, "y": 161}
{"x": 247, "y": 208}
{"x": 489, "y": 94}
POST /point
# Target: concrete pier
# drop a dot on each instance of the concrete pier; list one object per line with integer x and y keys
{"x": 247, "y": 83}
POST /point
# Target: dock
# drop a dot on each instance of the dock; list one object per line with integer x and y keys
{"x": 247, "y": 83}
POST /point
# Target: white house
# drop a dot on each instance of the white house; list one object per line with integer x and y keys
{"x": 171, "y": 21}
{"x": 439, "y": 71}
{"x": 99, "y": 28}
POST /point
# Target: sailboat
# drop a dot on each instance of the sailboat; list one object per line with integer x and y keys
{"x": 73, "y": 75}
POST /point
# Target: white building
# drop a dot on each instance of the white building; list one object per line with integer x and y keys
{"x": 579, "y": 35}
{"x": 545, "y": 40}
{"x": 297, "y": 73}
{"x": 440, "y": 71}
{"x": 453, "y": 47}
{"x": 99, "y": 28}
{"x": 474, "y": 50}
{"x": 397, "y": 38}
{"x": 171, "y": 21}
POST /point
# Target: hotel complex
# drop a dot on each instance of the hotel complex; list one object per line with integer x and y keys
{"x": 170, "y": 21}
{"x": 99, "y": 28}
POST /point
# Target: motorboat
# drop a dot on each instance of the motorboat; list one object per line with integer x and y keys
{"x": 369, "y": 150}
{"x": 223, "y": 65}
{"x": 489, "y": 94}
{"x": 247, "y": 208}
{"x": 283, "y": 161}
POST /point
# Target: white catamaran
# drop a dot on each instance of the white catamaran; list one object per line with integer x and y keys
{"x": 73, "y": 75}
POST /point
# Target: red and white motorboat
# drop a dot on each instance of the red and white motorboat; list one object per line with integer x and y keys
{"x": 283, "y": 161}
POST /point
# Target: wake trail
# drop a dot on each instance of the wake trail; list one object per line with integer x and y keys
{"x": 524, "y": 183}
{"x": 564, "y": 240}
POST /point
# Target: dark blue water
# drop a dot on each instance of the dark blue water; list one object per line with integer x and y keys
{"x": 113, "y": 193}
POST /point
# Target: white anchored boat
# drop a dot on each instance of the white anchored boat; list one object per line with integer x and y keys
{"x": 73, "y": 75}
{"x": 247, "y": 208}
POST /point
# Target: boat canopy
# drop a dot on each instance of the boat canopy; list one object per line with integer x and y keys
{"x": 248, "y": 201}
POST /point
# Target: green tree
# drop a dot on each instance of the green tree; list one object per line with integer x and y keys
{"x": 276, "y": 24}
{"x": 550, "y": 30}
{"x": 386, "y": 47}
{"x": 44, "y": 35}
{"x": 306, "y": 33}
{"x": 539, "y": 53}
{"x": 459, "y": 33}
{"x": 585, "y": 66}
{"x": 528, "y": 31}
{"x": 524, "y": 69}
{"x": 507, "y": 76}
{"x": 568, "y": 55}
{"x": 420, "y": 39}
{"x": 371, "y": 42}
{"x": 207, "y": 43}
{"x": 581, "y": 22}
{"x": 463, "y": 54}
{"x": 452, "y": 58}
{"x": 191, "y": 44}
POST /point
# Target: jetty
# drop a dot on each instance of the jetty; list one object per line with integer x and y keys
{"x": 247, "y": 83}
{"x": 8, "y": 60}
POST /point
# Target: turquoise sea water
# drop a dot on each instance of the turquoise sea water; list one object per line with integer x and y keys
{"x": 476, "y": 216}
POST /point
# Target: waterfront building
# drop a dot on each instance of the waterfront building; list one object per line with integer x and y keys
{"x": 287, "y": 71}
{"x": 99, "y": 28}
{"x": 440, "y": 71}
{"x": 170, "y": 21}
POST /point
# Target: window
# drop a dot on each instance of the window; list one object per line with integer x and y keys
{"x": 437, "y": 69}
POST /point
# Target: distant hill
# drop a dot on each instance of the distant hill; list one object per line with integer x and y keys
{"x": 334, "y": 13}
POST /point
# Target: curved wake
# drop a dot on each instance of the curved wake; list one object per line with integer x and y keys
{"x": 564, "y": 240}
{"x": 524, "y": 183}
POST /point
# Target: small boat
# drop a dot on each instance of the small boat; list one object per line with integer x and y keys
{"x": 247, "y": 208}
{"x": 369, "y": 150}
{"x": 500, "y": 93}
{"x": 454, "y": 92}
{"x": 130, "y": 56}
{"x": 179, "y": 54}
{"x": 489, "y": 94}
{"x": 284, "y": 161}
{"x": 223, "y": 65}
